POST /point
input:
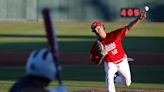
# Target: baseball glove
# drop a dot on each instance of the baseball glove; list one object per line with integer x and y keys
{"x": 99, "y": 46}
{"x": 97, "y": 59}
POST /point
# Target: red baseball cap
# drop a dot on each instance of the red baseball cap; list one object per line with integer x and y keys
{"x": 95, "y": 24}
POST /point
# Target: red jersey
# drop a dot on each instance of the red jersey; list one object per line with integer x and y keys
{"x": 112, "y": 44}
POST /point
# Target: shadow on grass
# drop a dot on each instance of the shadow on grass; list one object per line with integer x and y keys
{"x": 90, "y": 73}
{"x": 135, "y": 44}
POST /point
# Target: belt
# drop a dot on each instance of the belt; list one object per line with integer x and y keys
{"x": 119, "y": 61}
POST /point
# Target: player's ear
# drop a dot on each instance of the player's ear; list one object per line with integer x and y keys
{"x": 103, "y": 27}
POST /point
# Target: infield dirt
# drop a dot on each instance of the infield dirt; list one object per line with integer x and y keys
{"x": 82, "y": 58}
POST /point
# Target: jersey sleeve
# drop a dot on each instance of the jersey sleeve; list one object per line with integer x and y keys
{"x": 121, "y": 33}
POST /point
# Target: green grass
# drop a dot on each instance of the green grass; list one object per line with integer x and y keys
{"x": 83, "y": 77}
{"x": 27, "y": 36}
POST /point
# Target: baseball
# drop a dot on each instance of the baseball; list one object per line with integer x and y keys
{"x": 146, "y": 8}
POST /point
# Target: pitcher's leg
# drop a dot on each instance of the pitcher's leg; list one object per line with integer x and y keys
{"x": 110, "y": 70}
{"x": 124, "y": 69}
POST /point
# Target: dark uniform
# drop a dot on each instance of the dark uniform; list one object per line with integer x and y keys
{"x": 30, "y": 84}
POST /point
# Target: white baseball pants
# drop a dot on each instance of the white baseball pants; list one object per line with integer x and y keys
{"x": 112, "y": 68}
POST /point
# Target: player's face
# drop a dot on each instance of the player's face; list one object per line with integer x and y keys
{"x": 99, "y": 30}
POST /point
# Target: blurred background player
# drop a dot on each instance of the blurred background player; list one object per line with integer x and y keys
{"x": 112, "y": 52}
{"x": 40, "y": 71}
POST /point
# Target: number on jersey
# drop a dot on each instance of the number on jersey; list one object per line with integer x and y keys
{"x": 114, "y": 52}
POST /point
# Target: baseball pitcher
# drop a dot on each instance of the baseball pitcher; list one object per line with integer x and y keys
{"x": 108, "y": 49}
